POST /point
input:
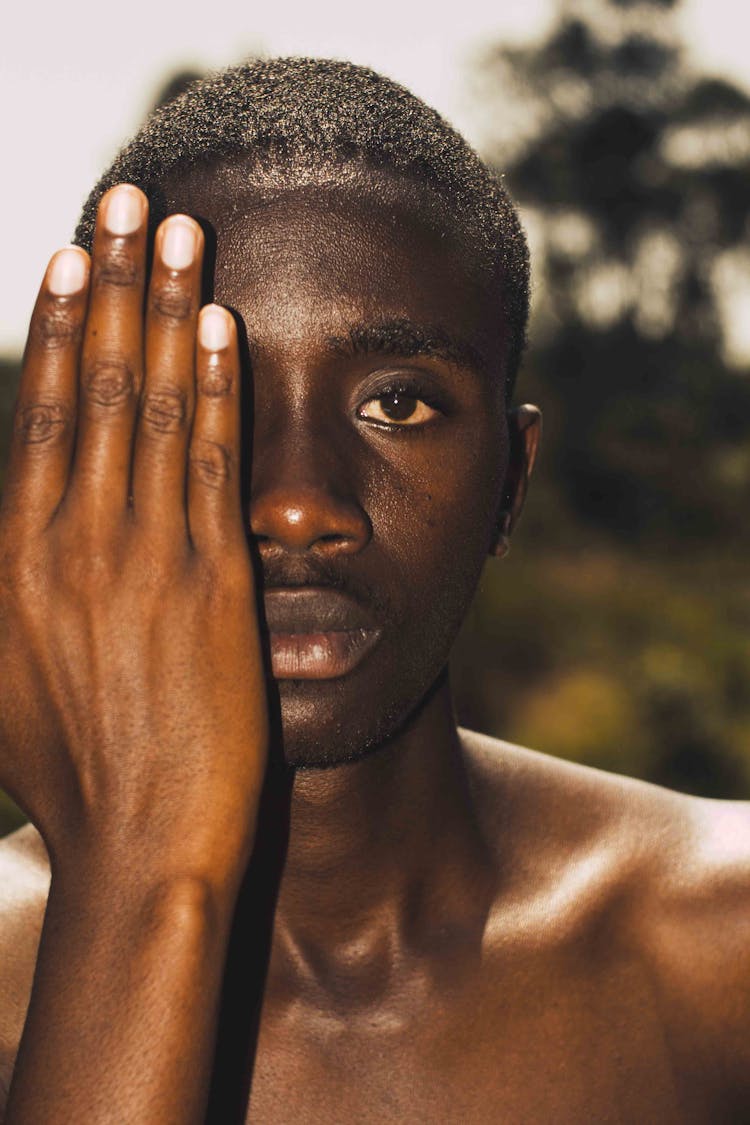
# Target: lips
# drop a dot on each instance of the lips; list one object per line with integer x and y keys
{"x": 316, "y": 634}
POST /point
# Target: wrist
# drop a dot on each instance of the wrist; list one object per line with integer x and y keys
{"x": 137, "y": 880}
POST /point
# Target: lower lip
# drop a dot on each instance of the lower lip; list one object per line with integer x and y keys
{"x": 319, "y": 656}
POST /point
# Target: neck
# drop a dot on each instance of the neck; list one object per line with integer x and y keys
{"x": 385, "y": 862}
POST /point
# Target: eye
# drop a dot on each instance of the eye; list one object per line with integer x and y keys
{"x": 397, "y": 407}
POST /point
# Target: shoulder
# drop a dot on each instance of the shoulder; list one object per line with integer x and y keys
{"x": 693, "y": 929}
{"x": 565, "y": 813}
{"x": 24, "y": 885}
{"x": 24, "y": 881}
{"x": 663, "y": 876}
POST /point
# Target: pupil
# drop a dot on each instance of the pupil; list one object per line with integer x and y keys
{"x": 397, "y": 406}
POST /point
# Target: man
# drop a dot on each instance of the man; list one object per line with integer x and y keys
{"x": 415, "y": 922}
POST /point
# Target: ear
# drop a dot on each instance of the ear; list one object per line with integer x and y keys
{"x": 524, "y": 433}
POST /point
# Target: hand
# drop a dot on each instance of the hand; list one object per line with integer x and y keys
{"x": 134, "y": 719}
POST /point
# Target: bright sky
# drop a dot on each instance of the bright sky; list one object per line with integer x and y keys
{"x": 76, "y": 78}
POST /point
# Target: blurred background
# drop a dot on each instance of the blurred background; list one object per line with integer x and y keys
{"x": 615, "y": 632}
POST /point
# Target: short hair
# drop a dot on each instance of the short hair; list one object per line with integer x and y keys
{"x": 318, "y": 114}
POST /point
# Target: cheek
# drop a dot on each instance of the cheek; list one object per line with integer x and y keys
{"x": 432, "y": 508}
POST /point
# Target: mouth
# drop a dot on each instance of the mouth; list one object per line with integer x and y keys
{"x": 316, "y": 634}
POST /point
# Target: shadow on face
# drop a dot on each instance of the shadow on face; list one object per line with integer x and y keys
{"x": 375, "y": 440}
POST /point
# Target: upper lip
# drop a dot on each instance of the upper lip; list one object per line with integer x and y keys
{"x": 311, "y": 609}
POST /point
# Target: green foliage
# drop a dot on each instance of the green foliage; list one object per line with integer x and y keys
{"x": 10, "y": 369}
{"x": 10, "y": 373}
{"x": 585, "y": 649}
{"x": 615, "y": 635}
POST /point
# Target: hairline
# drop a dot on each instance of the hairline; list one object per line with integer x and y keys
{"x": 353, "y": 118}
{"x": 354, "y": 183}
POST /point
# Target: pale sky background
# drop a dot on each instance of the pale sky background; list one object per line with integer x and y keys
{"x": 77, "y": 77}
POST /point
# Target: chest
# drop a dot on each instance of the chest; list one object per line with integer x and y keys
{"x": 537, "y": 1050}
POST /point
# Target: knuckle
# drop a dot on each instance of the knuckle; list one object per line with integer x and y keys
{"x": 211, "y": 463}
{"x": 170, "y": 302}
{"x": 117, "y": 267}
{"x": 216, "y": 382}
{"x": 57, "y": 327}
{"x": 164, "y": 411}
{"x": 42, "y": 422}
{"x": 109, "y": 382}
{"x": 229, "y": 589}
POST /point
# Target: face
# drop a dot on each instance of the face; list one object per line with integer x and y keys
{"x": 377, "y": 448}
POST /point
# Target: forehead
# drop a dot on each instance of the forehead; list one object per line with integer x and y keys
{"x": 315, "y": 258}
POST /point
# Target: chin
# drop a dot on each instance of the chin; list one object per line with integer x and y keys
{"x": 319, "y": 731}
{"x": 319, "y": 728}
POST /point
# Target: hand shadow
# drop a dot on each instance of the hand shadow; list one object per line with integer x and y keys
{"x": 249, "y": 948}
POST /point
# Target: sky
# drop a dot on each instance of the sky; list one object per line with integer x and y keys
{"x": 76, "y": 79}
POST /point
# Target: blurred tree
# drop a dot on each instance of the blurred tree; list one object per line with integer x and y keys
{"x": 10, "y": 373}
{"x": 632, "y": 172}
{"x": 175, "y": 85}
{"x": 617, "y": 634}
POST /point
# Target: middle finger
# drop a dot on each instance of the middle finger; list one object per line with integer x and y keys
{"x": 111, "y": 365}
{"x": 166, "y": 406}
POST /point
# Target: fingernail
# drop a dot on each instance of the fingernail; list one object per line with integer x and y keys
{"x": 123, "y": 211}
{"x": 213, "y": 328}
{"x": 178, "y": 242}
{"x": 67, "y": 272}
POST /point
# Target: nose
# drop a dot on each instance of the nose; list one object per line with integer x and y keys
{"x": 301, "y": 503}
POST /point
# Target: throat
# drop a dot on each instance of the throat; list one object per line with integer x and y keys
{"x": 388, "y": 880}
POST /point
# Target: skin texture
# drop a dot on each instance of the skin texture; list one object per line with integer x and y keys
{"x": 301, "y": 273}
{"x": 439, "y": 926}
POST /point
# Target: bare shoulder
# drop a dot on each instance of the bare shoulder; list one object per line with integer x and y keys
{"x": 24, "y": 879}
{"x": 663, "y": 877}
{"x": 694, "y": 926}
{"x": 569, "y": 812}
{"x": 24, "y": 885}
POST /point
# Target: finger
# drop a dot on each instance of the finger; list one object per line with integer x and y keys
{"x": 214, "y": 510}
{"x": 44, "y": 420}
{"x": 111, "y": 364}
{"x": 167, "y": 399}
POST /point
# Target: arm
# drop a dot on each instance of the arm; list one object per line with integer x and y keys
{"x": 122, "y": 1019}
{"x": 129, "y": 643}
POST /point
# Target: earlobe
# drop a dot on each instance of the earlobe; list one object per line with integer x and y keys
{"x": 500, "y": 544}
{"x": 524, "y": 432}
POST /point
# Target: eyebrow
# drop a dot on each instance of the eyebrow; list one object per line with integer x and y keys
{"x": 402, "y": 337}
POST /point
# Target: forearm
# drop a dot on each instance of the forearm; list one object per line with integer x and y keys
{"x": 122, "y": 1020}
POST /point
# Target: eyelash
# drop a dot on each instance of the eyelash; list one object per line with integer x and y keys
{"x": 409, "y": 389}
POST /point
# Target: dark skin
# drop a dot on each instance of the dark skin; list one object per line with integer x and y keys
{"x": 464, "y": 930}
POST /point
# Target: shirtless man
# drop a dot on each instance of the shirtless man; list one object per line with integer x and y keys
{"x": 408, "y": 922}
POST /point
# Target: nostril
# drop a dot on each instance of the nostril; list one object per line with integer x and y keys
{"x": 340, "y": 544}
{"x": 305, "y": 517}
